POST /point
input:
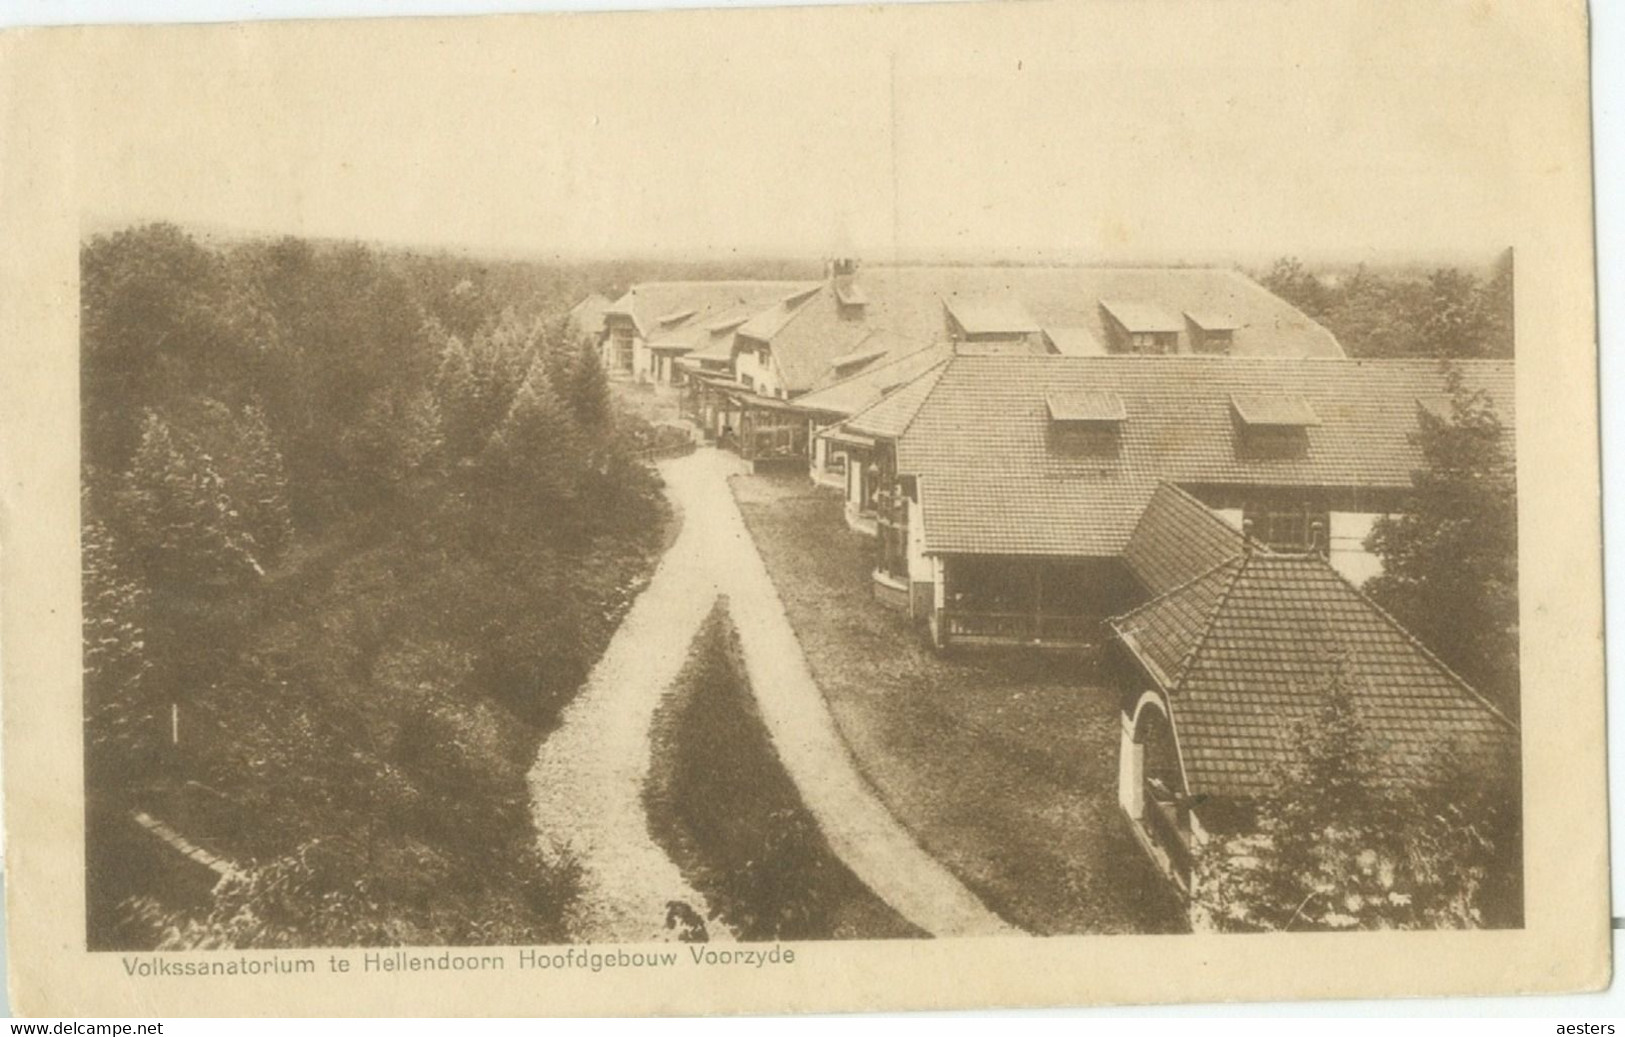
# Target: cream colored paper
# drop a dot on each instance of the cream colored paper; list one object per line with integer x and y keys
{"x": 972, "y": 129}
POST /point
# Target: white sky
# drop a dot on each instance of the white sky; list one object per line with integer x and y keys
{"x": 1113, "y": 130}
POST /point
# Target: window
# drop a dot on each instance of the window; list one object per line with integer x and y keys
{"x": 1098, "y": 439}
{"x": 622, "y": 337}
{"x": 1153, "y": 342}
{"x": 1213, "y": 341}
{"x": 1273, "y": 444}
{"x": 1288, "y": 525}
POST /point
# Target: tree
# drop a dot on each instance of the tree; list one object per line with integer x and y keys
{"x": 1450, "y": 561}
{"x": 1342, "y": 842}
{"x": 1450, "y": 319}
{"x": 1289, "y": 279}
{"x": 188, "y": 531}
{"x": 535, "y": 455}
{"x": 397, "y": 438}
{"x": 122, "y": 722}
{"x": 261, "y": 483}
{"x": 586, "y": 387}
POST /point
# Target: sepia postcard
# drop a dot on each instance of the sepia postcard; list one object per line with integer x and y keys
{"x": 809, "y": 509}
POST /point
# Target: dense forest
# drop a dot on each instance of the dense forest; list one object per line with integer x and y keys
{"x": 1447, "y": 311}
{"x": 355, "y": 524}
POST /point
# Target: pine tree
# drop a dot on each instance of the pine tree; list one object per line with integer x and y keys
{"x": 588, "y": 389}
{"x": 188, "y": 530}
{"x": 1450, "y": 561}
{"x": 122, "y": 723}
{"x": 536, "y": 452}
{"x": 457, "y": 398}
{"x": 262, "y": 485}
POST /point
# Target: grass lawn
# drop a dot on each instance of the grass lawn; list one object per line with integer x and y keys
{"x": 721, "y": 805}
{"x": 1002, "y": 764}
{"x": 656, "y": 404}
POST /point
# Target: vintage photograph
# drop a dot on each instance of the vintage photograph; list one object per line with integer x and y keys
{"x": 443, "y": 597}
{"x": 908, "y": 483}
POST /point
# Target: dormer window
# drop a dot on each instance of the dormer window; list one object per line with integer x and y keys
{"x": 1086, "y": 424}
{"x": 1137, "y": 327}
{"x": 852, "y": 363}
{"x": 988, "y": 320}
{"x": 1273, "y": 426}
{"x": 1211, "y": 332}
{"x": 676, "y": 317}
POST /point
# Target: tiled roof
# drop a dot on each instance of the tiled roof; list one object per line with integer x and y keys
{"x": 909, "y": 300}
{"x": 867, "y": 388}
{"x": 1248, "y": 648}
{"x": 980, "y": 439}
{"x": 1178, "y": 539}
{"x": 890, "y": 416}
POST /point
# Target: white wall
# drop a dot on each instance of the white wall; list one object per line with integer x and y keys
{"x": 918, "y": 570}
{"x": 763, "y": 375}
{"x": 1346, "y": 546}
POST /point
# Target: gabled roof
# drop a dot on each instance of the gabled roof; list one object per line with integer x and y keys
{"x": 1177, "y": 539}
{"x": 891, "y": 416}
{"x": 588, "y": 314}
{"x": 869, "y": 386}
{"x": 980, "y": 440}
{"x": 1135, "y": 315}
{"x": 990, "y": 316}
{"x": 770, "y": 321}
{"x": 808, "y": 335}
{"x": 1248, "y": 647}
{"x": 648, "y": 303}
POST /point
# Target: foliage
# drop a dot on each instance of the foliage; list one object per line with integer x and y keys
{"x": 122, "y": 720}
{"x": 722, "y": 805}
{"x": 1446, "y": 312}
{"x": 339, "y": 514}
{"x": 1450, "y": 561}
{"x": 1340, "y": 842}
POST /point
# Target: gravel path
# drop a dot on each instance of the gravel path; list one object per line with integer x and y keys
{"x": 587, "y": 784}
{"x": 588, "y": 779}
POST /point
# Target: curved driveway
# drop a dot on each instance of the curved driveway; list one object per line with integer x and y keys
{"x": 589, "y": 775}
